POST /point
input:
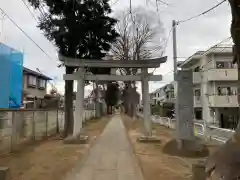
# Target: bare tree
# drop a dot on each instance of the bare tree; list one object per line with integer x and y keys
{"x": 141, "y": 37}
{"x": 225, "y": 162}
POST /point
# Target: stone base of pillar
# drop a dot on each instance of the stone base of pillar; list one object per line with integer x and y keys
{"x": 4, "y": 173}
{"x": 186, "y": 148}
{"x": 198, "y": 171}
{"x": 148, "y": 139}
{"x": 190, "y": 145}
{"x": 79, "y": 139}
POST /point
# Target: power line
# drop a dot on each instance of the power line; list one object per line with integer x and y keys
{"x": 29, "y": 37}
{"x": 216, "y": 45}
{"x": 203, "y": 13}
{"x": 115, "y": 2}
{"x": 130, "y": 6}
{"x": 40, "y": 8}
{"x": 163, "y": 2}
{"x": 30, "y": 10}
{"x": 165, "y": 45}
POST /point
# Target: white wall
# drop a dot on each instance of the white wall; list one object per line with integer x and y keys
{"x": 210, "y": 86}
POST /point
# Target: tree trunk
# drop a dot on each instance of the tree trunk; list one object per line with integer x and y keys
{"x": 111, "y": 110}
{"x": 68, "y": 104}
{"x": 98, "y": 111}
{"x": 127, "y": 99}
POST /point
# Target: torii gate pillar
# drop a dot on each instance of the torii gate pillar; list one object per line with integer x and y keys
{"x": 146, "y": 103}
{"x": 79, "y": 107}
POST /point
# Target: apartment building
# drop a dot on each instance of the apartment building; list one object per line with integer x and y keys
{"x": 34, "y": 88}
{"x": 165, "y": 98}
{"x": 215, "y": 86}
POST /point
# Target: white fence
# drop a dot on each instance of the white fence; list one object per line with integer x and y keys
{"x": 219, "y": 134}
{"x": 210, "y": 132}
{"x": 21, "y": 126}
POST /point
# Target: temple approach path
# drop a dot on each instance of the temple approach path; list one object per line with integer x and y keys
{"x": 111, "y": 157}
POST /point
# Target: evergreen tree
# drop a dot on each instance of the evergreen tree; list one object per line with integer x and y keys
{"x": 79, "y": 29}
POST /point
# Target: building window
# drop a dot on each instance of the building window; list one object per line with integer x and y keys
{"x": 170, "y": 95}
{"x": 32, "y": 81}
{"x": 224, "y": 65}
{"x": 197, "y": 94}
{"x": 198, "y": 114}
{"x": 223, "y": 91}
{"x": 197, "y": 69}
{"x": 42, "y": 84}
{"x": 234, "y": 91}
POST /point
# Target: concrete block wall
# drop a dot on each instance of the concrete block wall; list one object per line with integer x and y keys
{"x": 17, "y": 127}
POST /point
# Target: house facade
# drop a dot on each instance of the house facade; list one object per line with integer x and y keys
{"x": 164, "y": 98}
{"x": 34, "y": 88}
{"x": 215, "y": 86}
{"x": 162, "y": 95}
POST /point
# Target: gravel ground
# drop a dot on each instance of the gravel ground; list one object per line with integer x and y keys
{"x": 50, "y": 159}
{"x": 155, "y": 163}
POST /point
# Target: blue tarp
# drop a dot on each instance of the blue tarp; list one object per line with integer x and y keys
{"x": 11, "y": 78}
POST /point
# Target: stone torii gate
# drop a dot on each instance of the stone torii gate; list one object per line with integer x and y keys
{"x": 80, "y": 76}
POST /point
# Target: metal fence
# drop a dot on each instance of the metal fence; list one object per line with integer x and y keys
{"x": 199, "y": 129}
{"x": 21, "y": 126}
{"x": 219, "y": 134}
{"x": 210, "y": 132}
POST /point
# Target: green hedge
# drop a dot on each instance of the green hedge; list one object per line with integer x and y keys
{"x": 156, "y": 110}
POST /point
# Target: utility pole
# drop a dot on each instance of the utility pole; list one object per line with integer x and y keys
{"x": 174, "y": 24}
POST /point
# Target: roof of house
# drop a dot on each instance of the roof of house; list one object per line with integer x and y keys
{"x": 225, "y": 49}
{"x": 162, "y": 87}
{"x": 35, "y": 73}
{"x": 195, "y": 56}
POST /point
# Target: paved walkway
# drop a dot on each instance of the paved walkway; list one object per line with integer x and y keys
{"x": 111, "y": 158}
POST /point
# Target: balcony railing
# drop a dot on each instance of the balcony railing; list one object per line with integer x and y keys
{"x": 222, "y": 75}
{"x": 223, "y": 101}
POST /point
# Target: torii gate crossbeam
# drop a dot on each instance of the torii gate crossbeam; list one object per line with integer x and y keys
{"x": 75, "y": 76}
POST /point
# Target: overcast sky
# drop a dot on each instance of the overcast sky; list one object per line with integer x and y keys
{"x": 192, "y": 36}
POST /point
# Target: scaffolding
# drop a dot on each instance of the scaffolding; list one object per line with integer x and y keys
{"x": 11, "y": 78}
